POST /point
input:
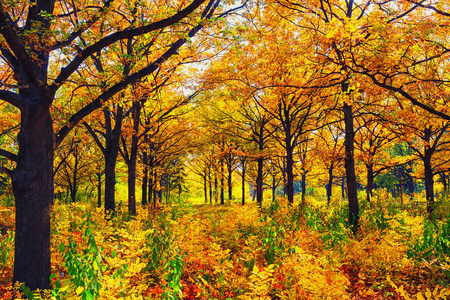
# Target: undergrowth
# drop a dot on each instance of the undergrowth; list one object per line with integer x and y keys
{"x": 233, "y": 252}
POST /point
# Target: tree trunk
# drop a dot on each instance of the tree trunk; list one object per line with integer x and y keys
{"x": 259, "y": 182}
{"x": 215, "y": 187}
{"x": 274, "y": 187}
{"x": 110, "y": 183}
{"x": 290, "y": 174}
{"x": 210, "y": 187}
{"x": 243, "y": 183}
{"x": 330, "y": 184}
{"x": 230, "y": 186}
{"x": 429, "y": 183}
{"x": 303, "y": 188}
{"x": 145, "y": 178}
{"x": 205, "y": 188}
{"x": 283, "y": 171}
{"x": 32, "y": 183}
{"x": 74, "y": 188}
{"x": 151, "y": 175}
{"x": 444, "y": 181}
{"x": 370, "y": 177}
{"x": 99, "y": 189}
{"x": 136, "y": 113}
{"x": 111, "y": 153}
{"x": 132, "y": 187}
{"x": 222, "y": 183}
{"x": 350, "y": 168}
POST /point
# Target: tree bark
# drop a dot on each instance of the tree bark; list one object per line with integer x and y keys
{"x": 131, "y": 161}
{"x": 210, "y": 187}
{"x": 429, "y": 182}
{"x": 304, "y": 187}
{"x": 243, "y": 183}
{"x": 145, "y": 178}
{"x": 99, "y": 189}
{"x": 216, "y": 194}
{"x": 274, "y": 187}
{"x": 205, "y": 188}
{"x": 74, "y": 185}
{"x": 222, "y": 182}
{"x": 350, "y": 168}
{"x": 112, "y": 151}
{"x": 289, "y": 174}
{"x": 32, "y": 183}
{"x": 230, "y": 177}
{"x": 370, "y": 178}
{"x": 259, "y": 182}
{"x": 330, "y": 184}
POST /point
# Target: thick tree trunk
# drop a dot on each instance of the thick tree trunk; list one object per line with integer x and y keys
{"x": 350, "y": 168}
{"x": 110, "y": 183}
{"x": 111, "y": 153}
{"x": 136, "y": 112}
{"x": 429, "y": 183}
{"x": 32, "y": 183}
{"x": 330, "y": 184}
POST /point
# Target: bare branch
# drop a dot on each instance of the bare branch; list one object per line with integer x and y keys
{"x": 126, "y": 34}
{"x": 13, "y": 99}
{"x": 9, "y": 155}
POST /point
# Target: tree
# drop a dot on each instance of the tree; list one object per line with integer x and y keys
{"x": 41, "y": 49}
{"x": 372, "y": 139}
{"x": 328, "y": 148}
{"x": 75, "y": 164}
{"x": 426, "y": 136}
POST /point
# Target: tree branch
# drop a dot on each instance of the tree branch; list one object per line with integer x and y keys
{"x": 126, "y": 34}
{"x": 17, "y": 47}
{"x": 14, "y": 99}
{"x": 8, "y": 155}
{"x": 132, "y": 78}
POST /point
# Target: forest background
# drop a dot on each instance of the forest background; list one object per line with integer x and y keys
{"x": 129, "y": 128}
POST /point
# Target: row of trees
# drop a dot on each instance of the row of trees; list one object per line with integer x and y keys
{"x": 361, "y": 69}
{"x": 91, "y": 63}
{"x": 291, "y": 83}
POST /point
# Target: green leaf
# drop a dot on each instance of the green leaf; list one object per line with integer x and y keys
{"x": 61, "y": 247}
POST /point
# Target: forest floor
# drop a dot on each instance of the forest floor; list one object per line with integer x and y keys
{"x": 204, "y": 251}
